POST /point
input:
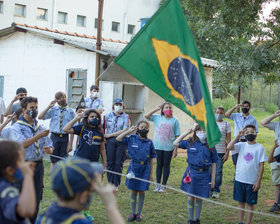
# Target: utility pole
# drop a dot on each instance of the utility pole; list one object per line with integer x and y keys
{"x": 98, "y": 41}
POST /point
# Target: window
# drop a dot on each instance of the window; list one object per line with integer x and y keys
{"x": 1, "y": 6}
{"x": 130, "y": 29}
{"x": 1, "y": 86}
{"x": 62, "y": 17}
{"x": 81, "y": 21}
{"x": 96, "y": 23}
{"x": 116, "y": 26}
{"x": 42, "y": 14}
{"x": 20, "y": 10}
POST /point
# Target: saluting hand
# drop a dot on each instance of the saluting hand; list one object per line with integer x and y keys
{"x": 52, "y": 103}
{"x": 11, "y": 116}
{"x": 159, "y": 107}
{"x": 133, "y": 128}
{"x": 238, "y": 106}
{"x": 275, "y": 144}
{"x": 277, "y": 113}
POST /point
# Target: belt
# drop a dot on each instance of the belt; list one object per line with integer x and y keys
{"x": 37, "y": 162}
{"x": 60, "y": 134}
{"x": 199, "y": 168}
{"x": 140, "y": 162}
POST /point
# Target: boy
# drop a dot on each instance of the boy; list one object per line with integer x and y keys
{"x": 93, "y": 102}
{"x": 74, "y": 180}
{"x": 15, "y": 207}
{"x": 274, "y": 164}
{"x": 14, "y": 107}
{"x": 34, "y": 139}
{"x": 60, "y": 115}
{"x": 221, "y": 148}
{"x": 249, "y": 170}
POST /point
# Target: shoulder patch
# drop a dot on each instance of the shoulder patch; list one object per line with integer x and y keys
{"x": 9, "y": 191}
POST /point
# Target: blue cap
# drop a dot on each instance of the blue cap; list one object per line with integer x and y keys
{"x": 118, "y": 100}
{"x": 72, "y": 176}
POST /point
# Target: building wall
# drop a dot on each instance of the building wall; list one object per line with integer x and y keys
{"x": 39, "y": 65}
{"x": 123, "y": 11}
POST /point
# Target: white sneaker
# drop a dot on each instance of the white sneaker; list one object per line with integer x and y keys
{"x": 157, "y": 187}
{"x": 162, "y": 189}
{"x": 215, "y": 195}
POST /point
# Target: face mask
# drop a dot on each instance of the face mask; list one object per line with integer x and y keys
{"x": 20, "y": 99}
{"x": 201, "y": 136}
{"x": 18, "y": 175}
{"x": 245, "y": 110}
{"x": 118, "y": 108}
{"x": 94, "y": 121}
{"x": 167, "y": 112}
{"x": 32, "y": 113}
{"x": 62, "y": 102}
{"x": 93, "y": 94}
{"x": 219, "y": 117}
{"x": 250, "y": 137}
{"x": 88, "y": 202}
{"x": 143, "y": 133}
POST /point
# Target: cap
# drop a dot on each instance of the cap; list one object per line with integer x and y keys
{"x": 118, "y": 100}
{"x": 73, "y": 175}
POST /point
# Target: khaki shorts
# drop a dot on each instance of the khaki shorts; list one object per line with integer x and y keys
{"x": 275, "y": 175}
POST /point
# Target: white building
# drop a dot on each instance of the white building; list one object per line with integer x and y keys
{"x": 121, "y": 18}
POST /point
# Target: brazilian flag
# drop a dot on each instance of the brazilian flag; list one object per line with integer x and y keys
{"x": 164, "y": 57}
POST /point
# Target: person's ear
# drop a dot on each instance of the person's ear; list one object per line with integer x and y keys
{"x": 83, "y": 197}
{"x": 10, "y": 171}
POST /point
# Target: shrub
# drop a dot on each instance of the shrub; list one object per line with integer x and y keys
{"x": 270, "y": 107}
{"x": 227, "y": 103}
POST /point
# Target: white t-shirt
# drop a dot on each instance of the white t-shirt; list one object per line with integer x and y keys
{"x": 275, "y": 126}
{"x": 224, "y": 127}
{"x": 249, "y": 158}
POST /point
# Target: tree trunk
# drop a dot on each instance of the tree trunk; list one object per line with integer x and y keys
{"x": 261, "y": 101}
{"x": 239, "y": 97}
{"x": 269, "y": 97}
{"x": 251, "y": 87}
{"x": 279, "y": 94}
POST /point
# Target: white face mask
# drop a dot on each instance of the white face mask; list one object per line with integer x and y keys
{"x": 93, "y": 94}
{"x": 118, "y": 108}
{"x": 201, "y": 136}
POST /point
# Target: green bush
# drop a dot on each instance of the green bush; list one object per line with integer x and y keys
{"x": 270, "y": 107}
{"x": 227, "y": 103}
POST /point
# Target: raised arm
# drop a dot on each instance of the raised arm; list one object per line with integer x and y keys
{"x": 265, "y": 122}
{"x": 181, "y": 137}
{"x": 229, "y": 112}
{"x": 68, "y": 127}
{"x": 7, "y": 121}
{"x": 42, "y": 114}
{"x": 233, "y": 141}
{"x": 149, "y": 114}
{"x": 127, "y": 132}
{"x": 8, "y": 109}
{"x": 270, "y": 157}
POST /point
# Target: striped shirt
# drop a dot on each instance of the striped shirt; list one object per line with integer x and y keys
{"x": 224, "y": 127}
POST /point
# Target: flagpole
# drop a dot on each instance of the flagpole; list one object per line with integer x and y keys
{"x": 98, "y": 41}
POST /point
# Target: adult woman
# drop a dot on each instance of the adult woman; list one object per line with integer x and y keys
{"x": 166, "y": 130}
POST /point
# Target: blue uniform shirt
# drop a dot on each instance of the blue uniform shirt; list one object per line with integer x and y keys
{"x": 114, "y": 123}
{"x": 93, "y": 103}
{"x": 240, "y": 122}
{"x": 56, "y": 114}
{"x": 22, "y": 130}
{"x": 198, "y": 154}
{"x": 140, "y": 150}
{"x": 89, "y": 144}
{"x": 57, "y": 214}
{"x": 8, "y": 202}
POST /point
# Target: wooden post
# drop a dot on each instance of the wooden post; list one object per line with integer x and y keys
{"x": 98, "y": 41}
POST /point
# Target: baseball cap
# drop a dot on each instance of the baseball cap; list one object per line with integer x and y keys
{"x": 118, "y": 100}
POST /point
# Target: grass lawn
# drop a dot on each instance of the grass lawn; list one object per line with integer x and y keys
{"x": 171, "y": 207}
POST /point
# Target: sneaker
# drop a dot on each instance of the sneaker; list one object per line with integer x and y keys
{"x": 88, "y": 216}
{"x": 138, "y": 217}
{"x": 157, "y": 188}
{"x": 274, "y": 208}
{"x": 215, "y": 195}
{"x": 191, "y": 222}
{"x": 197, "y": 221}
{"x": 162, "y": 189}
{"x": 131, "y": 218}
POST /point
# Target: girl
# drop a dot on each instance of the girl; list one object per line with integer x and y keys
{"x": 91, "y": 139}
{"x": 141, "y": 151}
{"x": 116, "y": 122}
{"x": 15, "y": 206}
{"x": 166, "y": 131}
{"x": 197, "y": 176}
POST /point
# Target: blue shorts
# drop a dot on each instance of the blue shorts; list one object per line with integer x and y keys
{"x": 244, "y": 193}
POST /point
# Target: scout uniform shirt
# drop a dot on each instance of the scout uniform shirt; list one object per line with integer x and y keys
{"x": 114, "y": 123}
{"x": 95, "y": 103}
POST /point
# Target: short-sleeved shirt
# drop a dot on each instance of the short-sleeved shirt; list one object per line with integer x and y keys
{"x": 165, "y": 132}
{"x": 198, "y": 154}
{"x": 59, "y": 118}
{"x": 57, "y": 214}
{"x": 224, "y": 127}
{"x": 275, "y": 126}
{"x": 15, "y": 107}
{"x": 114, "y": 123}
{"x": 89, "y": 144}
{"x": 22, "y": 131}
{"x": 6, "y": 133}
{"x": 9, "y": 196}
{"x": 2, "y": 106}
{"x": 95, "y": 103}
{"x": 249, "y": 159}
{"x": 139, "y": 149}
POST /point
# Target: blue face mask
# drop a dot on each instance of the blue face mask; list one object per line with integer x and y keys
{"x": 93, "y": 122}
{"x": 18, "y": 175}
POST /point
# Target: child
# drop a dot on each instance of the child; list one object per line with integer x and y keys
{"x": 197, "y": 176}
{"x": 166, "y": 131}
{"x": 15, "y": 207}
{"x": 141, "y": 151}
{"x": 5, "y": 132}
{"x": 74, "y": 180}
{"x": 93, "y": 102}
{"x": 249, "y": 170}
